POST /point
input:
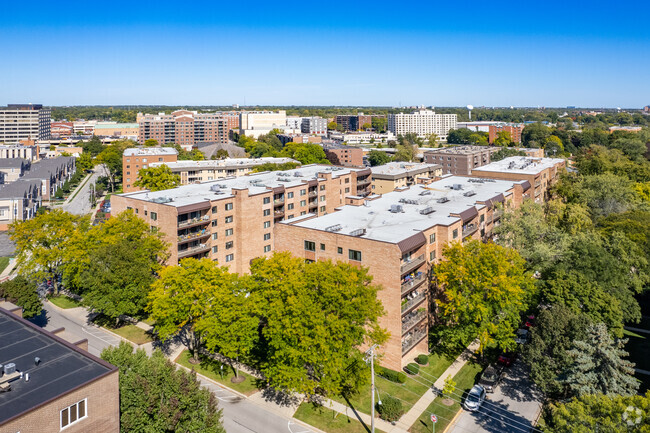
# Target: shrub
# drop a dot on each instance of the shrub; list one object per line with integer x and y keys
{"x": 392, "y": 375}
{"x": 390, "y": 409}
{"x": 412, "y": 368}
{"x": 422, "y": 359}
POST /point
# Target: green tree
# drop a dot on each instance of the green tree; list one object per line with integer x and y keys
{"x": 432, "y": 140}
{"x": 506, "y": 152}
{"x": 407, "y": 147}
{"x": 222, "y": 154}
{"x": 151, "y": 143}
{"x": 41, "y": 245}
{"x": 94, "y": 146}
{"x": 155, "y": 396}
{"x": 553, "y": 146}
{"x": 449, "y": 387}
{"x": 484, "y": 288}
{"x": 306, "y": 153}
{"x": 301, "y": 307}
{"x": 459, "y": 136}
{"x": 332, "y": 126}
{"x": 598, "y": 365}
{"x": 184, "y": 295}
{"x": 84, "y": 162}
{"x": 366, "y": 126}
{"x": 601, "y": 413}
{"x": 379, "y": 123}
{"x": 269, "y": 166}
{"x": 157, "y": 178}
{"x": 22, "y": 292}
{"x": 111, "y": 158}
{"x": 377, "y": 157}
{"x": 504, "y": 139}
{"x": 535, "y": 135}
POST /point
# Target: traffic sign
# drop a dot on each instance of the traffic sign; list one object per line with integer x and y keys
{"x": 434, "y": 418}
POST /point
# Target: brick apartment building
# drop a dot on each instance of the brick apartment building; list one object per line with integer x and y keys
{"x": 398, "y": 236}
{"x": 346, "y": 156}
{"x": 48, "y": 384}
{"x": 541, "y": 173}
{"x": 460, "y": 160}
{"x": 515, "y": 130}
{"x": 185, "y": 128}
{"x": 134, "y": 159}
{"x": 396, "y": 175}
{"x": 232, "y": 220}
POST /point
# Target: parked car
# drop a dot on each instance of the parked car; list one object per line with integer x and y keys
{"x": 490, "y": 378}
{"x": 507, "y": 358}
{"x": 475, "y": 398}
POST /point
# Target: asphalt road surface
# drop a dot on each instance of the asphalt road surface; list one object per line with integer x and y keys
{"x": 80, "y": 204}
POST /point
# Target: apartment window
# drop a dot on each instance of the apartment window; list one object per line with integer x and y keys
{"x": 432, "y": 256}
{"x": 310, "y": 246}
{"x": 267, "y": 224}
{"x": 303, "y": 192}
{"x": 347, "y": 180}
{"x": 229, "y": 232}
{"x": 214, "y": 209}
{"x": 228, "y": 206}
{"x": 267, "y": 248}
{"x": 289, "y": 195}
{"x": 482, "y": 218}
{"x": 145, "y": 213}
{"x": 340, "y": 250}
{"x": 455, "y": 233}
{"x": 267, "y": 200}
{"x": 229, "y": 245}
{"x": 290, "y": 217}
{"x": 73, "y": 414}
{"x": 347, "y": 190}
{"x": 215, "y": 249}
{"x": 267, "y": 212}
{"x": 354, "y": 255}
{"x": 137, "y": 210}
{"x": 303, "y": 203}
{"x": 322, "y": 198}
{"x": 215, "y": 236}
{"x": 154, "y": 216}
{"x": 229, "y": 219}
{"x": 267, "y": 236}
{"x": 322, "y": 187}
{"x": 230, "y": 257}
{"x": 322, "y": 208}
{"x": 303, "y": 213}
{"x": 290, "y": 206}
{"x": 432, "y": 238}
{"x": 214, "y": 223}
{"x": 322, "y": 247}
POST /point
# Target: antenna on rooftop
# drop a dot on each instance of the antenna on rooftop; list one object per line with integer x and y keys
{"x": 470, "y": 108}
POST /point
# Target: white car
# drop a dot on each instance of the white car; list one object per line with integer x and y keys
{"x": 474, "y": 398}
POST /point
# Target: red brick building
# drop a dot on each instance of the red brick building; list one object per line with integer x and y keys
{"x": 515, "y": 131}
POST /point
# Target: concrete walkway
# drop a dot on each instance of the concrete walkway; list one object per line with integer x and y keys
{"x": 407, "y": 420}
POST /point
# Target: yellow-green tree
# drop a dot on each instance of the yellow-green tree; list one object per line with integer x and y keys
{"x": 504, "y": 138}
{"x": 483, "y": 290}
{"x": 157, "y": 178}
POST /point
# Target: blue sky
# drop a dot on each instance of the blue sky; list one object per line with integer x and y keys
{"x": 327, "y": 53}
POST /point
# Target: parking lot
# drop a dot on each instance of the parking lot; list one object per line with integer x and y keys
{"x": 512, "y": 408}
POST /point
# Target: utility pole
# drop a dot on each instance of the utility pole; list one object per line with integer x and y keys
{"x": 370, "y": 357}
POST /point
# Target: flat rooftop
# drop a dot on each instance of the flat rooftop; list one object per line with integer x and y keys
{"x": 422, "y": 207}
{"x": 519, "y": 165}
{"x": 62, "y": 368}
{"x": 226, "y": 162}
{"x": 144, "y": 151}
{"x": 257, "y": 183}
{"x": 462, "y": 150}
{"x": 403, "y": 168}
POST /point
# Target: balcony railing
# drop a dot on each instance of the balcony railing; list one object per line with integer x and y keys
{"x": 278, "y": 201}
{"x": 470, "y": 230}
{"x": 190, "y": 236}
{"x": 416, "y": 300}
{"x": 313, "y": 193}
{"x": 413, "y": 283}
{"x": 412, "y": 264}
{"x": 278, "y": 213}
{"x": 412, "y": 339}
{"x": 365, "y": 181}
{"x": 412, "y": 321}
{"x": 193, "y": 221}
{"x": 193, "y": 250}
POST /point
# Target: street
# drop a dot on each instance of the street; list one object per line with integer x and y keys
{"x": 512, "y": 408}
{"x": 239, "y": 414}
{"x": 80, "y": 204}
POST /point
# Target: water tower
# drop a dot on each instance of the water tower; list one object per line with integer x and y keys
{"x": 470, "y": 108}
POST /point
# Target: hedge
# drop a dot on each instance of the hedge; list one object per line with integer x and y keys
{"x": 412, "y": 368}
{"x": 392, "y": 375}
{"x": 422, "y": 359}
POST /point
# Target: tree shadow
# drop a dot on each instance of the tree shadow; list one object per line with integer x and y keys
{"x": 280, "y": 398}
{"x": 497, "y": 417}
{"x": 41, "y": 320}
{"x": 356, "y": 414}
{"x": 516, "y": 384}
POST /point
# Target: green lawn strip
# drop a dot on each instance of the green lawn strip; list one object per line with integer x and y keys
{"x": 83, "y": 182}
{"x": 149, "y": 321}
{"x": 210, "y": 369}
{"x": 4, "y": 262}
{"x": 465, "y": 379}
{"x": 63, "y": 301}
{"x": 438, "y": 363}
{"x": 132, "y": 333}
{"x": 329, "y": 420}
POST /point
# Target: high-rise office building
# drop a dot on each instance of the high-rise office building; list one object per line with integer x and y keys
{"x": 24, "y": 122}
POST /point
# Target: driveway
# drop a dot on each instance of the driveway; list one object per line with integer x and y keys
{"x": 512, "y": 408}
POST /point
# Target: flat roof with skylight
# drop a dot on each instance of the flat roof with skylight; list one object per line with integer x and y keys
{"x": 520, "y": 165}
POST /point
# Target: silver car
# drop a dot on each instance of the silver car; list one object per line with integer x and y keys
{"x": 474, "y": 398}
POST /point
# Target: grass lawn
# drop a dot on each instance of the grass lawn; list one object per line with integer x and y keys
{"x": 132, "y": 333}
{"x": 465, "y": 379}
{"x": 4, "y": 262}
{"x": 149, "y": 321}
{"x": 210, "y": 369}
{"x": 410, "y": 392}
{"x": 323, "y": 418}
{"x": 63, "y": 301}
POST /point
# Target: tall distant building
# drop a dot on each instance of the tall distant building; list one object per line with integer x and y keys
{"x": 314, "y": 125}
{"x": 185, "y": 128}
{"x": 422, "y": 123}
{"x": 353, "y": 122}
{"x": 24, "y": 122}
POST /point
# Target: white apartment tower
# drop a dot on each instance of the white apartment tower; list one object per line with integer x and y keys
{"x": 422, "y": 123}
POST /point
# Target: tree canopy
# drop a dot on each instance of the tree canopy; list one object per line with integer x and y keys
{"x": 23, "y": 293}
{"x": 157, "y": 178}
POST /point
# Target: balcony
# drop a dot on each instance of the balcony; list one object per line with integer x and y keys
{"x": 470, "y": 230}
{"x": 278, "y": 213}
{"x": 201, "y": 248}
{"x": 413, "y": 283}
{"x": 197, "y": 235}
{"x": 313, "y": 193}
{"x": 278, "y": 201}
{"x": 494, "y": 217}
{"x": 414, "y": 301}
{"x": 412, "y": 339}
{"x": 205, "y": 219}
{"x": 412, "y": 264}
{"x": 363, "y": 182}
{"x": 413, "y": 320}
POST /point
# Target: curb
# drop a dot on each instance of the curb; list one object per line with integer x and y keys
{"x": 213, "y": 381}
{"x": 453, "y": 420}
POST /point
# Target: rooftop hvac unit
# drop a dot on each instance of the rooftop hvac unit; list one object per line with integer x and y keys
{"x": 469, "y": 193}
{"x": 9, "y": 368}
{"x": 425, "y": 193}
{"x": 457, "y": 186}
{"x": 215, "y": 187}
{"x": 297, "y": 174}
{"x": 358, "y": 232}
{"x": 334, "y": 228}
{"x": 427, "y": 210}
{"x": 395, "y": 208}
{"x": 443, "y": 200}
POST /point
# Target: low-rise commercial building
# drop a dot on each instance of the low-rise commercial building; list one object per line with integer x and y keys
{"x": 396, "y": 175}
{"x": 423, "y": 123}
{"x": 114, "y": 129}
{"x": 398, "y": 236}
{"x": 232, "y": 220}
{"x": 49, "y": 385}
{"x": 541, "y": 173}
{"x": 357, "y": 138}
{"x": 459, "y": 160}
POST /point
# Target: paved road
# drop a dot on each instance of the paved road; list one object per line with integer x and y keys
{"x": 80, "y": 204}
{"x": 512, "y": 407}
{"x": 239, "y": 414}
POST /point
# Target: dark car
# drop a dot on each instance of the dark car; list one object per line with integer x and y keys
{"x": 490, "y": 378}
{"x": 507, "y": 358}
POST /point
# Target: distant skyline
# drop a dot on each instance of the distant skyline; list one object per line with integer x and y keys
{"x": 555, "y": 54}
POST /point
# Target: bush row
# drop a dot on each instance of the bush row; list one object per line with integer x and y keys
{"x": 392, "y": 375}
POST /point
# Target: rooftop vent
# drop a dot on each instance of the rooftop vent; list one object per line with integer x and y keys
{"x": 334, "y": 228}
{"x": 396, "y": 208}
{"x": 408, "y": 201}
{"x": 469, "y": 193}
{"x": 457, "y": 186}
{"x": 297, "y": 174}
{"x": 427, "y": 210}
{"x": 425, "y": 193}
{"x": 443, "y": 200}
{"x": 284, "y": 179}
{"x": 358, "y": 232}
{"x": 162, "y": 200}
{"x": 9, "y": 368}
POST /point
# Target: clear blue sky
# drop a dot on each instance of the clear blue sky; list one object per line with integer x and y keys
{"x": 326, "y": 53}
